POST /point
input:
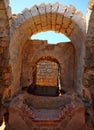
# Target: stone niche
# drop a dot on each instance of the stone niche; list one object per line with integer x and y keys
{"x": 48, "y": 65}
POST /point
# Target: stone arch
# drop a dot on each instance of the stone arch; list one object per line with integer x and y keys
{"x": 48, "y": 58}
{"x": 63, "y": 53}
{"x": 57, "y": 17}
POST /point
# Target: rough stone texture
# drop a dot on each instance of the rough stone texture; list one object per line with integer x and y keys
{"x": 35, "y": 50}
{"x": 88, "y": 76}
{"x": 78, "y": 112}
{"x": 5, "y": 68}
{"x": 91, "y": 4}
{"x": 71, "y": 114}
{"x": 56, "y": 20}
{"x": 26, "y": 14}
{"x": 46, "y": 73}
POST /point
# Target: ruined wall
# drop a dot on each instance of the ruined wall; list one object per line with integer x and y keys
{"x": 47, "y": 73}
{"x": 5, "y": 68}
{"x": 64, "y": 19}
{"x": 57, "y": 17}
{"x": 35, "y": 50}
{"x": 88, "y": 75}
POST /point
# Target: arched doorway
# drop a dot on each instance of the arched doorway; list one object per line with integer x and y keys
{"x": 64, "y": 19}
{"x": 61, "y": 54}
{"x": 46, "y": 78}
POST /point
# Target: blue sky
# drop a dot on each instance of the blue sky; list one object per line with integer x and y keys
{"x": 52, "y": 37}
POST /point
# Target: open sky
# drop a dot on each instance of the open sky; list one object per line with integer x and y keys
{"x": 52, "y": 37}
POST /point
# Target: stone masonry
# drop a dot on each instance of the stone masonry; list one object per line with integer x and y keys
{"x": 20, "y": 57}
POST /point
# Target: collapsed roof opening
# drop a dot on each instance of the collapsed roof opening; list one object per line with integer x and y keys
{"x": 51, "y": 36}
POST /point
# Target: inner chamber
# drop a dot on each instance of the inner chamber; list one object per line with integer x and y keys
{"x": 46, "y": 78}
{"x": 47, "y": 69}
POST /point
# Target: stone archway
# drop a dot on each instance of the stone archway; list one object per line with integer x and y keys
{"x": 64, "y": 19}
{"x": 46, "y": 77}
{"x": 62, "y": 53}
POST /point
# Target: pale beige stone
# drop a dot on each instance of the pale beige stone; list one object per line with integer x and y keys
{"x": 91, "y": 4}
{"x": 80, "y": 20}
{"x": 48, "y": 8}
{"x": 26, "y": 13}
{"x": 20, "y": 18}
{"x": 6, "y": 2}
{"x": 76, "y": 60}
{"x": 55, "y": 7}
{"x": 14, "y": 22}
{"x": 42, "y": 8}
{"x": 34, "y": 11}
{"x": 62, "y": 9}
{"x": 70, "y": 10}
{"x": 9, "y": 12}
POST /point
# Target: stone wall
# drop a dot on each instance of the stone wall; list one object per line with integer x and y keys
{"x": 62, "y": 53}
{"x": 5, "y": 68}
{"x": 22, "y": 55}
{"x": 47, "y": 73}
{"x": 88, "y": 75}
{"x": 57, "y": 17}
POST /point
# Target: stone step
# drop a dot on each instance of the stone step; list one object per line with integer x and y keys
{"x": 43, "y": 102}
{"x": 46, "y": 115}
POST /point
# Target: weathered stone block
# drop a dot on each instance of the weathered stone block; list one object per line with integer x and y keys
{"x": 42, "y": 8}
{"x": 9, "y": 13}
{"x": 55, "y": 7}
{"x": 66, "y": 22}
{"x": 70, "y": 10}
{"x": 59, "y": 19}
{"x": 48, "y": 8}
{"x": 34, "y": 11}
{"x": 39, "y": 27}
{"x": 6, "y": 2}
{"x": 91, "y": 4}
{"x": 20, "y": 19}
{"x": 62, "y": 9}
{"x": 26, "y": 13}
{"x": 37, "y": 19}
{"x": 80, "y": 20}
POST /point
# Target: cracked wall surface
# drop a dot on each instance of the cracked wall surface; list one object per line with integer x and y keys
{"x": 15, "y": 31}
{"x": 56, "y": 17}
